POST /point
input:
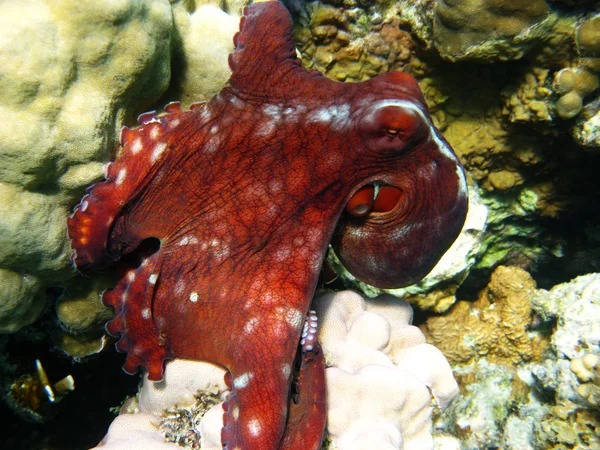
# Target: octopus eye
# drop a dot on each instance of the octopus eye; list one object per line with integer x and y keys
{"x": 394, "y": 126}
{"x": 374, "y": 198}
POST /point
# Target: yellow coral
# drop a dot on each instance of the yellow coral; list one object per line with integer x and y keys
{"x": 588, "y": 36}
{"x": 573, "y": 84}
{"x": 495, "y": 326}
{"x": 569, "y": 105}
{"x": 528, "y": 101}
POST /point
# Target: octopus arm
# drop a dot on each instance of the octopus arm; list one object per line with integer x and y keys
{"x": 91, "y": 225}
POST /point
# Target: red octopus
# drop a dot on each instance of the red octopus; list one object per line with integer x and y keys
{"x": 230, "y": 207}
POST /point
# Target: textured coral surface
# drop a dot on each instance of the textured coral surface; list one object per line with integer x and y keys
{"x": 60, "y": 120}
{"x": 539, "y": 387}
{"x": 478, "y": 26}
{"x": 496, "y": 326}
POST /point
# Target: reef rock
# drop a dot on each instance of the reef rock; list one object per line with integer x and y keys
{"x": 576, "y": 308}
{"x": 488, "y": 30}
{"x": 586, "y": 130}
{"x": 536, "y": 386}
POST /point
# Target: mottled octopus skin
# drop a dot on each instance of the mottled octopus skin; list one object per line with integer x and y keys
{"x": 243, "y": 195}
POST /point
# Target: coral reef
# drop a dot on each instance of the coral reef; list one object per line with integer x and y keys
{"x": 352, "y": 44}
{"x": 22, "y": 300}
{"x": 569, "y": 374}
{"x": 530, "y": 100}
{"x": 496, "y": 326}
{"x": 586, "y": 131}
{"x": 202, "y": 40}
{"x": 572, "y": 85}
{"x": 384, "y": 385}
{"x": 587, "y": 39}
{"x": 210, "y": 283}
{"x": 587, "y": 370}
{"x": 483, "y": 415}
{"x": 60, "y": 116}
{"x": 73, "y": 72}
{"x": 538, "y": 388}
{"x": 183, "y": 410}
{"x": 576, "y": 306}
{"x": 488, "y": 29}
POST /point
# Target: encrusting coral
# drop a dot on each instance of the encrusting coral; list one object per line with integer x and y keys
{"x": 529, "y": 101}
{"x": 353, "y": 44}
{"x": 587, "y": 369}
{"x": 496, "y": 326}
{"x": 486, "y": 29}
{"x": 587, "y": 38}
{"x": 384, "y": 385}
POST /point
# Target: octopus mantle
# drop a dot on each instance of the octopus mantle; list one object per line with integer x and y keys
{"x": 220, "y": 218}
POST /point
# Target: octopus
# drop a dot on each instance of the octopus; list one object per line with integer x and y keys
{"x": 220, "y": 217}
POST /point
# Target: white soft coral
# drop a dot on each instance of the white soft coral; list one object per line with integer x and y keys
{"x": 383, "y": 384}
{"x": 384, "y": 381}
